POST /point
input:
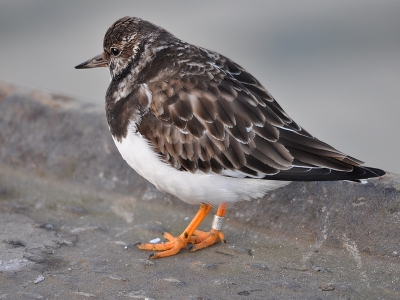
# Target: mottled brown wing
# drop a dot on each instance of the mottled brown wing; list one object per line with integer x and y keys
{"x": 216, "y": 117}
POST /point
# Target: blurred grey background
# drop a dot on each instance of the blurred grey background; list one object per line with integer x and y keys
{"x": 333, "y": 66}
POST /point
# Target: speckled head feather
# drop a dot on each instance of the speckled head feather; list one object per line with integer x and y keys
{"x": 125, "y": 41}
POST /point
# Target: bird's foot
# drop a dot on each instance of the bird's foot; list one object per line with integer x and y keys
{"x": 199, "y": 239}
{"x": 190, "y": 235}
{"x": 169, "y": 248}
{"x": 202, "y": 239}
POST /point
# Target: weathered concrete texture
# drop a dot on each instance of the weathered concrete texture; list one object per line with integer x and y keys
{"x": 71, "y": 210}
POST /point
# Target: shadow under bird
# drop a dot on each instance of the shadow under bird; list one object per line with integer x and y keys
{"x": 200, "y": 127}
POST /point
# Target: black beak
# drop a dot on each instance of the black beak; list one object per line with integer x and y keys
{"x": 95, "y": 62}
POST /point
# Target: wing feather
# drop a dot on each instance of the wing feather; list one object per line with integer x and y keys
{"x": 216, "y": 117}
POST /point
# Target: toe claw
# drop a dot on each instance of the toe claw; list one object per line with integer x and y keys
{"x": 137, "y": 244}
{"x": 151, "y": 255}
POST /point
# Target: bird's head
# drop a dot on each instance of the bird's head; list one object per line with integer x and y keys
{"x": 124, "y": 43}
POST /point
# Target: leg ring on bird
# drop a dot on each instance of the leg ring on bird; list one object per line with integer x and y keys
{"x": 217, "y": 222}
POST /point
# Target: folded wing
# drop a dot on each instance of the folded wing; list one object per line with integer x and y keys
{"x": 216, "y": 117}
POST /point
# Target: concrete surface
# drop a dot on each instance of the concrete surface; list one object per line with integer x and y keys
{"x": 71, "y": 211}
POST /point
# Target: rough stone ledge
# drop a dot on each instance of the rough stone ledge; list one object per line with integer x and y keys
{"x": 56, "y": 136}
{"x": 71, "y": 210}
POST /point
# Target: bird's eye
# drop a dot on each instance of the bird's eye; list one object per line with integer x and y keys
{"x": 115, "y": 51}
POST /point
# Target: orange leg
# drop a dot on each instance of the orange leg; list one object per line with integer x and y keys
{"x": 175, "y": 244}
{"x": 190, "y": 235}
{"x": 202, "y": 239}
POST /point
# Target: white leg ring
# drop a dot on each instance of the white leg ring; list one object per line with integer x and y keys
{"x": 217, "y": 222}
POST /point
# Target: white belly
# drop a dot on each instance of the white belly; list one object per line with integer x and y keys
{"x": 192, "y": 188}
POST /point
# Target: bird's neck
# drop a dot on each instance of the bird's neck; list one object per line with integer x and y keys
{"x": 124, "y": 101}
{"x": 124, "y": 79}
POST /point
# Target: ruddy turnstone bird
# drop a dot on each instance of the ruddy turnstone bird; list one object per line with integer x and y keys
{"x": 200, "y": 127}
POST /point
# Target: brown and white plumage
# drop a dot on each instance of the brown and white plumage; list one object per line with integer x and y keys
{"x": 201, "y": 112}
{"x": 210, "y": 115}
{"x": 199, "y": 126}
